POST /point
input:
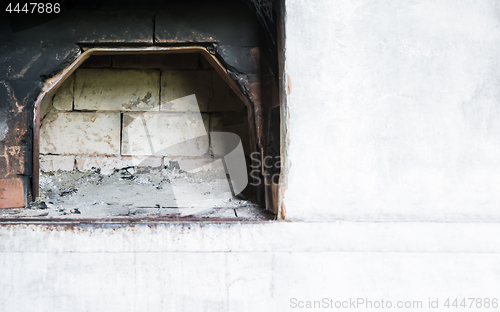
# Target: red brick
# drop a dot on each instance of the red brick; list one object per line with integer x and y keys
{"x": 11, "y": 193}
{"x": 16, "y": 157}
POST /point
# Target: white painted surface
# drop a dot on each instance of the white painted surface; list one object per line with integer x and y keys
{"x": 236, "y": 267}
{"x": 393, "y": 115}
{"x": 394, "y": 110}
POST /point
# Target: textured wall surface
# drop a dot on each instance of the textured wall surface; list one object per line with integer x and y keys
{"x": 393, "y": 115}
{"x": 237, "y": 267}
{"x": 394, "y": 110}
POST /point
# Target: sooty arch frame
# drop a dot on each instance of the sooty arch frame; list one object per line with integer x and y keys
{"x": 53, "y": 83}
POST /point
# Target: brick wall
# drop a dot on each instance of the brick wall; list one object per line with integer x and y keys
{"x": 118, "y": 111}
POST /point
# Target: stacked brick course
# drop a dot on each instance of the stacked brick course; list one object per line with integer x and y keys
{"x": 129, "y": 110}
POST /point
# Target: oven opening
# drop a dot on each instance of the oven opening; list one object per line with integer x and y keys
{"x": 151, "y": 136}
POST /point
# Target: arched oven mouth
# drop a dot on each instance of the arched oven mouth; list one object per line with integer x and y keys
{"x": 255, "y": 129}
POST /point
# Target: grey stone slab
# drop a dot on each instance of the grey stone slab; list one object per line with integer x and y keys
{"x": 80, "y": 134}
{"x": 178, "y": 84}
{"x": 165, "y": 134}
{"x": 63, "y": 98}
{"x": 117, "y": 89}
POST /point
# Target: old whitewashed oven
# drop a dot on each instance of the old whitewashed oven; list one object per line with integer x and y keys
{"x": 390, "y": 174}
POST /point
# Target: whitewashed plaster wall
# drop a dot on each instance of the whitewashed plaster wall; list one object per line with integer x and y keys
{"x": 393, "y": 116}
{"x": 245, "y": 267}
{"x": 394, "y": 110}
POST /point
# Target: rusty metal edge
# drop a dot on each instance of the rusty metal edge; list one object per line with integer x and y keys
{"x": 157, "y": 221}
{"x": 280, "y": 6}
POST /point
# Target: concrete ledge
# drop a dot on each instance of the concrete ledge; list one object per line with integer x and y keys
{"x": 237, "y": 281}
{"x": 206, "y": 237}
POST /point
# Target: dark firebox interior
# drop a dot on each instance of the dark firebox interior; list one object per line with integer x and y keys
{"x": 33, "y": 51}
